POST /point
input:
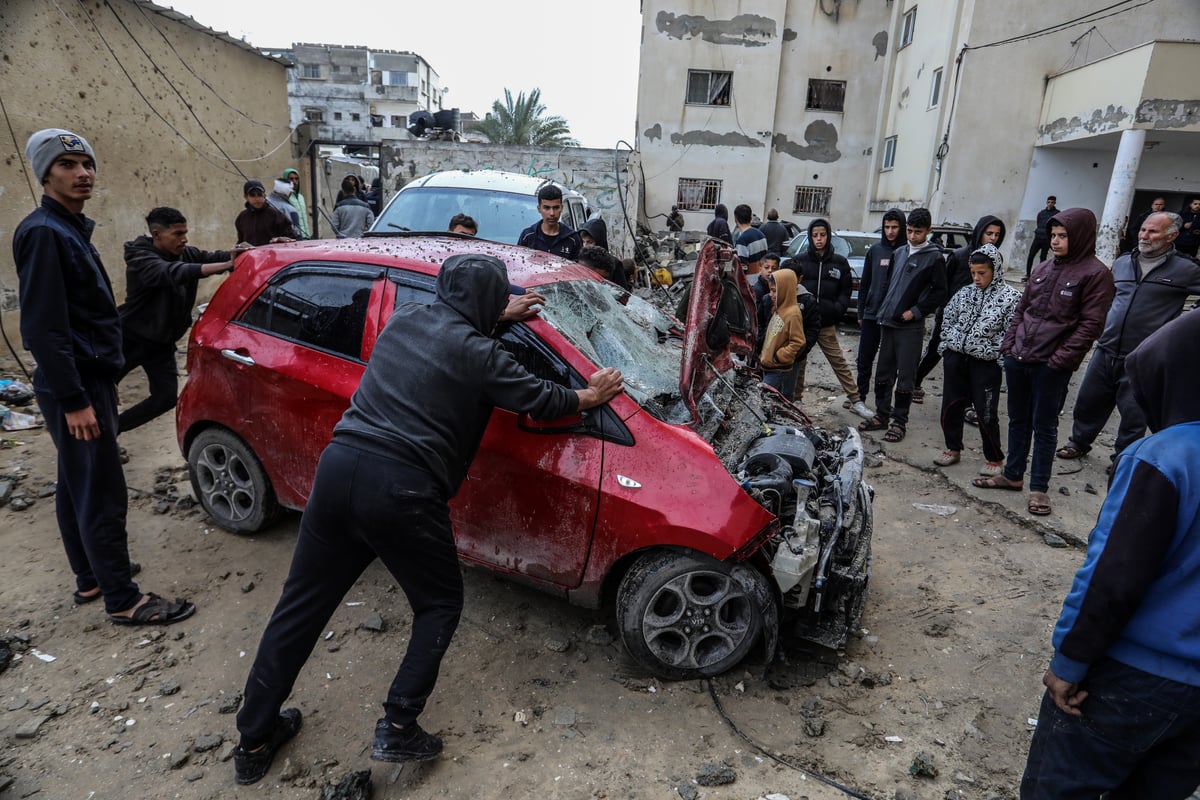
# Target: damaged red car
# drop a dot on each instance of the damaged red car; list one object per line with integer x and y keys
{"x": 700, "y": 508}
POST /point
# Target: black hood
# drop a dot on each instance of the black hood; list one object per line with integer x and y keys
{"x": 598, "y": 230}
{"x": 721, "y": 211}
{"x": 1081, "y": 234}
{"x": 476, "y": 287}
{"x": 897, "y": 215}
{"x": 821, "y": 223}
{"x": 1163, "y": 376}
{"x": 981, "y": 226}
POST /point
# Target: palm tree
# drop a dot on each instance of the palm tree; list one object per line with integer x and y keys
{"x": 524, "y": 122}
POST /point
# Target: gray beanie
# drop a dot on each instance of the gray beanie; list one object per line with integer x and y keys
{"x": 46, "y": 145}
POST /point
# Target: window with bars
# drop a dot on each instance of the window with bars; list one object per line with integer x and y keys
{"x": 707, "y": 88}
{"x": 698, "y": 194}
{"x": 310, "y": 70}
{"x": 825, "y": 95}
{"x": 812, "y": 199}
{"x": 889, "y": 153}
{"x": 314, "y": 114}
{"x": 910, "y": 27}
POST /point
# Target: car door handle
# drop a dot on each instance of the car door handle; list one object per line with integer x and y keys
{"x": 233, "y": 355}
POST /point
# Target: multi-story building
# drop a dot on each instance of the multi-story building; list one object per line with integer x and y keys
{"x": 355, "y": 94}
{"x": 846, "y": 109}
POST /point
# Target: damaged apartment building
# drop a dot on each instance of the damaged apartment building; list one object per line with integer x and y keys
{"x": 845, "y": 108}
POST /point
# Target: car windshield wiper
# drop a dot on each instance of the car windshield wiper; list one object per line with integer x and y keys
{"x": 399, "y": 227}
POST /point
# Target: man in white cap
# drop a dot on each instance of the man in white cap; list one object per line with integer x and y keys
{"x": 69, "y": 323}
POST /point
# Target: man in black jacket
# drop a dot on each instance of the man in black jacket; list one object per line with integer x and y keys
{"x": 775, "y": 232}
{"x": 917, "y": 288}
{"x": 827, "y": 275}
{"x": 162, "y": 275}
{"x": 872, "y": 287}
{"x": 398, "y": 455}
{"x": 1041, "y": 236}
{"x": 69, "y": 323}
{"x": 988, "y": 230}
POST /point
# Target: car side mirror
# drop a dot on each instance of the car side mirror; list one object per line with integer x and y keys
{"x": 570, "y": 423}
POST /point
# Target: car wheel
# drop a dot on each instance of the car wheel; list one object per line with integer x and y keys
{"x": 230, "y": 482}
{"x": 686, "y": 616}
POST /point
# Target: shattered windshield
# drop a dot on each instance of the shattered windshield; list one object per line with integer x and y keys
{"x": 617, "y": 329}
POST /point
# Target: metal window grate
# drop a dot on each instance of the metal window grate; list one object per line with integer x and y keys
{"x": 825, "y": 95}
{"x": 698, "y": 194}
{"x": 812, "y": 199}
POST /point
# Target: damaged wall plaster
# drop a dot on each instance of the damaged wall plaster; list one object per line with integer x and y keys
{"x": 821, "y": 138}
{"x": 746, "y": 30}
{"x": 880, "y": 41}
{"x": 1100, "y": 121}
{"x": 1161, "y": 113}
{"x": 653, "y": 133}
{"x": 730, "y": 139}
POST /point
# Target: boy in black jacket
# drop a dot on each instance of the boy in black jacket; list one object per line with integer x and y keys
{"x": 916, "y": 289}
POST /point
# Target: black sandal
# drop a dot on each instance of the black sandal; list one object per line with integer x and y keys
{"x": 82, "y": 599}
{"x": 157, "y": 611}
{"x": 873, "y": 424}
{"x": 895, "y": 433}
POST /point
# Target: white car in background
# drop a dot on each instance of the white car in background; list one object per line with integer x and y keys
{"x": 851, "y": 245}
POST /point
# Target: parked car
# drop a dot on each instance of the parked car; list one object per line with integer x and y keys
{"x": 851, "y": 245}
{"x": 951, "y": 237}
{"x": 697, "y": 507}
{"x": 502, "y": 203}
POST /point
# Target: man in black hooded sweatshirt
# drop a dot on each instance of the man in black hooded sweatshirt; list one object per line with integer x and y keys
{"x": 989, "y": 230}
{"x": 398, "y": 455}
{"x": 877, "y": 272}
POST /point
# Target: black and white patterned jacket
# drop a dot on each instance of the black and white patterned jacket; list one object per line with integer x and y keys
{"x": 975, "y": 319}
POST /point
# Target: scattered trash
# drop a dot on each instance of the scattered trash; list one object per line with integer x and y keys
{"x": 355, "y": 786}
{"x": 356, "y": 603}
{"x": 42, "y": 656}
{"x": 16, "y": 421}
{"x": 893, "y": 739}
{"x": 922, "y": 766}
{"x": 1031, "y": 721}
{"x": 521, "y": 718}
{"x": 941, "y": 511}
{"x": 15, "y": 393}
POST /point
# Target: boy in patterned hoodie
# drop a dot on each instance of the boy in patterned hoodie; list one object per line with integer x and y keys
{"x": 973, "y": 327}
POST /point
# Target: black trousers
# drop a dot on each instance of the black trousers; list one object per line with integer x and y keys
{"x": 868, "y": 348}
{"x": 91, "y": 500}
{"x": 158, "y": 361}
{"x": 1039, "y": 247}
{"x": 971, "y": 381}
{"x": 359, "y": 511}
{"x": 1105, "y": 387}
{"x": 899, "y": 354}
{"x": 932, "y": 356}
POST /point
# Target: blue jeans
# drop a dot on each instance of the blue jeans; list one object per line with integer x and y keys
{"x": 1139, "y": 737}
{"x": 1035, "y": 396}
{"x": 784, "y": 382}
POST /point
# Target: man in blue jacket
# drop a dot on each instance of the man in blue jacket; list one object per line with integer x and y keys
{"x": 69, "y": 323}
{"x": 1121, "y": 712}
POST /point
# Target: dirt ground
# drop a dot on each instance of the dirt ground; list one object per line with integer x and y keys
{"x": 535, "y": 699}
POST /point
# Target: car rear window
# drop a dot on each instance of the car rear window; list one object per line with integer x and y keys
{"x": 324, "y": 310}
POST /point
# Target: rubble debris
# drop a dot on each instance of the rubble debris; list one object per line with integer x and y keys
{"x": 355, "y": 785}
{"x": 923, "y": 766}
{"x": 1054, "y": 540}
{"x": 208, "y": 742}
{"x": 373, "y": 622}
{"x": 230, "y": 703}
{"x": 715, "y": 775}
{"x": 29, "y": 728}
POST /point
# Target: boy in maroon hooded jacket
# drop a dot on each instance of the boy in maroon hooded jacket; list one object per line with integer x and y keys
{"x": 1058, "y": 319}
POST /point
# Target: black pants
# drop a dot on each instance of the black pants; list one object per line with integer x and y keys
{"x": 899, "y": 353}
{"x": 931, "y": 357}
{"x": 971, "y": 381}
{"x": 158, "y": 361}
{"x": 1036, "y": 394}
{"x": 868, "y": 348}
{"x": 1106, "y": 387}
{"x": 91, "y": 500}
{"x": 1040, "y": 247}
{"x": 359, "y": 511}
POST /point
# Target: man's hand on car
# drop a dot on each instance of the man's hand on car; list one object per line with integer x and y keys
{"x": 523, "y": 307}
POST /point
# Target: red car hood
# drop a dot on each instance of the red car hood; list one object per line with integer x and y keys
{"x": 721, "y": 322}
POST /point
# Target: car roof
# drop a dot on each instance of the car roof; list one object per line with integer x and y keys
{"x": 424, "y": 252}
{"x": 856, "y": 233}
{"x": 489, "y": 179}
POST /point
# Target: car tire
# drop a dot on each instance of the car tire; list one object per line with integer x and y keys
{"x": 230, "y": 482}
{"x": 685, "y": 616}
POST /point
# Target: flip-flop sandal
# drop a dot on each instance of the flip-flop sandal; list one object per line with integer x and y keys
{"x": 84, "y": 599}
{"x": 895, "y": 433}
{"x": 1069, "y": 451}
{"x": 167, "y": 612}
{"x": 918, "y": 395}
{"x": 1039, "y": 504}
{"x": 994, "y": 483}
{"x": 873, "y": 424}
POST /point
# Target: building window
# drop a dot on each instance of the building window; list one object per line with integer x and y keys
{"x": 353, "y": 70}
{"x": 698, "y": 194}
{"x": 707, "y": 88}
{"x": 337, "y": 116}
{"x": 910, "y": 26}
{"x": 889, "y": 153}
{"x": 812, "y": 200}
{"x": 399, "y": 121}
{"x": 935, "y": 91}
{"x": 337, "y": 68}
{"x": 355, "y": 117}
{"x": 314, "y": 114}
{"x": 825, "y": 95}
{"x": 377, "y": 120}
{"x": 310, "y": 70}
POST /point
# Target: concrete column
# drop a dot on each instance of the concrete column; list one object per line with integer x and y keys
{"x": 1120, "y": 194}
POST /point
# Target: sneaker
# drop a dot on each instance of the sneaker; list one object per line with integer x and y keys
{"x": 410, "y": 743}
{"x": 947, "y": 458}
{"x": 970, "y": 417}
{"x": 992, "y": 468}
{"x": 249, "y": 766}
{"x": 858, "y": 408}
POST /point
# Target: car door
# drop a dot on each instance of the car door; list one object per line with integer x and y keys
{"x": 302, "y": 338}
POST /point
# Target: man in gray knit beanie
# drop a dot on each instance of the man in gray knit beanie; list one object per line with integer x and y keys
{"x": 46, "y": 145}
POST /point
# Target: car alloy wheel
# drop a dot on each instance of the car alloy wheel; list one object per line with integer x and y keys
{"x": 230, "y": 482}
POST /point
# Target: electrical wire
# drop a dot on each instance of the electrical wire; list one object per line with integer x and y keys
{"x": 146, "y": 100}
{"x": 209, "y": 86}
{"x": 33, "y": 194}
{"x": 1062, "y": 26}
{"x": 846, "y": 790}
{"x": 174, "y": 88}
